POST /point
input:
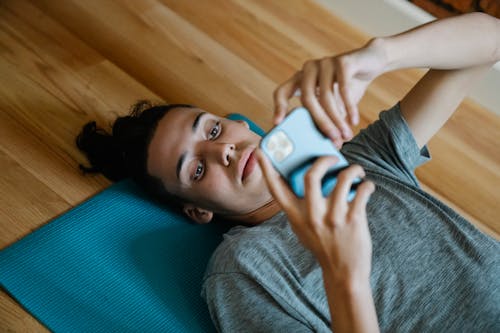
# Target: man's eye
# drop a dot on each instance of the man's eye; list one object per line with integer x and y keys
{"x": 198, "y": 173}
{"x": 215, "y": 131}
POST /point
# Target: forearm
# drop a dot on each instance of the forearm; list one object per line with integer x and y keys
{"x": 458, "y": 42}
{"x": 351, "y": 305}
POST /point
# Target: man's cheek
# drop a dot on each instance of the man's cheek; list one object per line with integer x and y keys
{"x": 215, "y": 188}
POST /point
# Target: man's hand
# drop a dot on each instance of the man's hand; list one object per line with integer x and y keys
{"x": 331, "y": 88}
{"x": 337, "y": 233}
{"x": 335, "y": 230}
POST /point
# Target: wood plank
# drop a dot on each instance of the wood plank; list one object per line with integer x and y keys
{"x": 52, "y": 83}
{"x": 263, "y": 39}
{"x": 465, "y": 168}
{"x": 22, "y": 209}
{"x": 16, "y": 319}
{"x": 67, "y": 86}
{"x": 66, "y": 62}
{"x": 165, "y": 53}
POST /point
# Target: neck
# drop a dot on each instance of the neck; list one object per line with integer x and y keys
{"x": 259, "y": 215}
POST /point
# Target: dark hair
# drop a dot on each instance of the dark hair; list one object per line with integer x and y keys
{"x": 124, "y": 153}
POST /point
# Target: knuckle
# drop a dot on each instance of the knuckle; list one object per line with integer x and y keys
{"x": 315, "y": 229}
{"x": 335, "y": 220}
{"x": 277, "y": 92}
{"x": 343, "y": 175}
{"x": 354, "y": 215}
{"x": 325, "y": 59}
{"x": 297, "y": 77}
{"x": 343, "y": 61}
{"x": 343, "y": 88}
{"x": 327, "y": 128}
{"x": 357, "y": 168}
{"x": 325, "y": 98}
{"x": 334, "y": 116}
{"x": 329, "y": 159}
{"x": 308, "y": 64}
{"x": 310, "y": 177}
{"x": 325, "y": 62}
{"x": 289, "y": 208}
{"x": 333, "y": 159}
{"x": 308, "y": 95}
{"x": 313, "y": 220}
{"x": 353, "y": 170}
{"x": 371, "y": 185}
{"x": 308, "y": 98}
{"x": 367, "y": 186}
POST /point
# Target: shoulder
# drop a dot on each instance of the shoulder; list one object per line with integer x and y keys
{"x": 244, "y": 246}
{"x": 387, "y": 147}
{"x": 256, "y": 276}
{"x": 251, "y": 250}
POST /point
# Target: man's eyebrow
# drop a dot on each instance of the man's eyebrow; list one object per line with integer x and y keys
{"x": 180, "y": 162}
{"x": 197, "y": 120}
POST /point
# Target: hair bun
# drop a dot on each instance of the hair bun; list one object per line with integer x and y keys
{"x": 124, "y": 152}
{"x": 103, "y": 152}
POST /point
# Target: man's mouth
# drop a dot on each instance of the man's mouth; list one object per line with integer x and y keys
{"x": 247, "y": 164}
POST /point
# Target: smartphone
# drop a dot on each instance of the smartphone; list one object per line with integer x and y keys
{"x": 294, "y": 145}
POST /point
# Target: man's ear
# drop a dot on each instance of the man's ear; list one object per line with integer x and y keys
{"x": 197, "y": 214}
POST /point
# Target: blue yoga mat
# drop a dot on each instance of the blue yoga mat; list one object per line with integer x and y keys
{"x": 118, "y": 262}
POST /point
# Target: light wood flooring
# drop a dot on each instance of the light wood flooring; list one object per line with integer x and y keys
{"x": 63, "y": 63}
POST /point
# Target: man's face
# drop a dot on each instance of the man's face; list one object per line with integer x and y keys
{"x": 208, "y": 161}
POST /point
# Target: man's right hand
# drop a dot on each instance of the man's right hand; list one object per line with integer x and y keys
{"x": 335, "y": 230}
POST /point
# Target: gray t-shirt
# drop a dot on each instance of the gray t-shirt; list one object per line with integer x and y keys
{"x": 432, "y": 271}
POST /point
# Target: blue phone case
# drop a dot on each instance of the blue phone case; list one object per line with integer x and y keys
{"x": 295, "y": 144}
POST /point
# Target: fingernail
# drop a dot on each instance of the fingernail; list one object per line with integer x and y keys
{"x": 335, "y": 159}
{"x": 347, "y": 133}
{"x": 276, "y": 120}
{"x": 355, "y": 119}
{"x": 258, "y": 153}
{"x": 334, "y": 134}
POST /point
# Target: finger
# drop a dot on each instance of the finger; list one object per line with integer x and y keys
{"x": 343, "y": 78}
{"x": 283, "y": 94}
{"x": 327, "y": 99}
{"x": 334, "y": 107}
{"x": 312, "y": 185}
{"x": 342, "y": 122}
{"x": 310, "y": 101}
{"x": 338, "y": 101}
{"x": 330, "y": 97}
{"x": 338, "y": 198}
{"x": 358, "y": 205}
{"x": 278, "y": 187}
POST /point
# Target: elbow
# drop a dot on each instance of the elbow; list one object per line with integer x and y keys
{"x": 490, "y": 25}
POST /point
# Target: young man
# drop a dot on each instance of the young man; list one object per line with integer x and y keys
{"x": 432, "y": 271}
{"x": 309, "y": 267}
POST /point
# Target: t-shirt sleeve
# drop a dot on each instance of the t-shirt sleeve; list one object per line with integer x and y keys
{"x": 387, "y": 146}
{"x": 238, "y": 304}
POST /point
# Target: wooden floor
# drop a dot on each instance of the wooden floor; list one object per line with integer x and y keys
{"x": 63, "y": 63}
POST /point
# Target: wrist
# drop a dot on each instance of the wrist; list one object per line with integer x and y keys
{"x": 393, "y": 52}
{"x": 351, "y": 283}
{"x": 380, "y": 47}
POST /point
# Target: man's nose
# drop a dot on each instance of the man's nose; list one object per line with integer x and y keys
{"x": 221, "y": 152}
